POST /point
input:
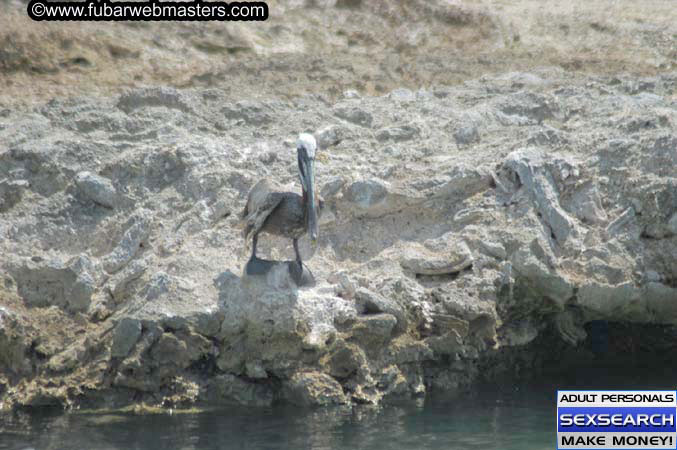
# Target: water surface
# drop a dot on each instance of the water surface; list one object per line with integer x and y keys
{"x": 520, "y": 421}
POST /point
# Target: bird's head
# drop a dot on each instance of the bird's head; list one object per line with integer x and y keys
{"x": 306, "y": 146}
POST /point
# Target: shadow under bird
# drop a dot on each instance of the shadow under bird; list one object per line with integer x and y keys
{"x": 270, "y": 209}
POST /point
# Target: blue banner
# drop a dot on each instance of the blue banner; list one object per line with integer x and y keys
{"x": 620, "y": 419}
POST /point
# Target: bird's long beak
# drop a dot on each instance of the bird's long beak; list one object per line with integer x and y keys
{"x": 308, "y": 169}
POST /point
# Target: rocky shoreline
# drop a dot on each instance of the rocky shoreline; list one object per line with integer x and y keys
{"x": 463, "y": 222}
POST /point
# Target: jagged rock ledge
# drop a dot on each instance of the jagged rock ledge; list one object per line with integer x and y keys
{"x": 462, "y": 222}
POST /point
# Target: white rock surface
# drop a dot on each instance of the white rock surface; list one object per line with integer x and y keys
{"x": 430, "y": 253}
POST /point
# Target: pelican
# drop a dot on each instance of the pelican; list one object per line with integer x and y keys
{"x": 287, "y": 214}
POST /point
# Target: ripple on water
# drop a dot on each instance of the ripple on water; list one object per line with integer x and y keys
{"x": 525, "y": 423}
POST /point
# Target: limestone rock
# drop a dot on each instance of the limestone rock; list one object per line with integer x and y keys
{"x": 354, "y": 115}
{"x": 620, "y": 301}
{"x": 329, "y": 135}
{"x": 467, "y": 134}
{"x": 96, "y": 188}
{"x": 529, "y": 165}
{"x": 314, "y": 389}
{"x": 447, "y": 344}
{"x": 444, "y": 241}
{"x": 398, "y": 134}
{"x": 118, "y": 283}
{"x": 13, "y": 343}
{"x": 255, "y": 370}
{"x": 125, "y": 336}
{"x": 131, "y": 240}
{"x": 11, "y": 192}
{"x": 254, "y": 113}
{"x": 373, "y": 330}
{"x": 672, "y": 224}
{"x": 346, "y": 360}
{"x": 423, "y": 261}
{"x": 402, "y": 95}
{"x": 370, "y": 302}
{"x": 225, "y": 389}
{"x": 367, "y": 193}
{"x": 152, "y": 97}
{"x": 67, "y": 284}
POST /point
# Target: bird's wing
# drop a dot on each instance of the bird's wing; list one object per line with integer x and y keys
{"x": 264, "y": 197}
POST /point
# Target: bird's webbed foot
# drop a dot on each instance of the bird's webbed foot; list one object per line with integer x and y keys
{"x": 301, "y": 275}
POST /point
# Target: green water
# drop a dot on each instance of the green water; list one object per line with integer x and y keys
{"x": 511, "y": 416}
{"x": 520, "y": 421}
